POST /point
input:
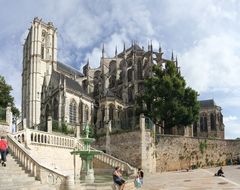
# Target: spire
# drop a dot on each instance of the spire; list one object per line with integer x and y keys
{"x": 176, "y": 62}
{"x": 151, "y": 47}
{"x": 172, "y": 58}
{"x": 103, "y": 51}
{"x": 116, "y": 51}
{"x": 160, "y": 48}
{"x": 88, "y": 62}
{"x": 124, "y": 49}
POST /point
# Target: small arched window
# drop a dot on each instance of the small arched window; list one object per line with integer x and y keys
{"x": 86, "y": 112}
{"x": 72, "y": 112}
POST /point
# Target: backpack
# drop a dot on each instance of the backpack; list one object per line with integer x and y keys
{"x": 3, "y": 145}
{"x": 137, "y": 183}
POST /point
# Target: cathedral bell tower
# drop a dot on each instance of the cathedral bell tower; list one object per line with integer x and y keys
{"x": 39, "y": 58}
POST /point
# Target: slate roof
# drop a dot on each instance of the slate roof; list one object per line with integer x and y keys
{"x": 70, "y": 83}
{"x": 207, "y": 103}
{"x": 136, "y": 47}
{"x": 68, "y": 69}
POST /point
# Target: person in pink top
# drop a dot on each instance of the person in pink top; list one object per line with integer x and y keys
{"x": 3, "y": 150}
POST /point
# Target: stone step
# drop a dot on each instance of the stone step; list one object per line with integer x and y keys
{"x": 18, "y": 183}
{"x": 14, "y": 177}
{"x": 29, "y": 187}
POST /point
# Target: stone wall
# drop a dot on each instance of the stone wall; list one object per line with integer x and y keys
{"x": 178, "y": 152}
{"x": 124, "y": 146}
{"x": 4, "y": 129}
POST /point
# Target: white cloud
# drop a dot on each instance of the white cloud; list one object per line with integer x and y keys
{"x": 204, "y": 33}
{"x": 232, "y": 129}
{"x": 213, "y": 62}
{"x": 229, "y": 118}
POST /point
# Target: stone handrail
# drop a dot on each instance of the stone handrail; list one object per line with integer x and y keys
{"x": 31, "y": 136}
{"x": 114, "y": 162}
{"x": 36, "y": 169}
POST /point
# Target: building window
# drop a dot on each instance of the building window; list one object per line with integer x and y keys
{"x": 201, "y": 124}
{"x": 130, "y": 94}
{"x": 205, "y": 124}
{"x": 213, "y": 121}
{"x": 112, "y": 81}
{"x": 111, "y": 111}
{"x": 86, "y": 112}
{"x": 42, "y": 52}
{"x": 129, "y": 75}
{"x": 139, "y": 70}
{"x": 72, "y": 112}
{"x": 55, "y": 109}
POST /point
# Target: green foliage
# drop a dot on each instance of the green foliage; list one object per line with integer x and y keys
{"x": 167, "y": 98}
{"x": 202, "y": 146}
{"x": 2, "y": 114}
{"x": 5, "y": 96}
{"x": 63, "y": 129}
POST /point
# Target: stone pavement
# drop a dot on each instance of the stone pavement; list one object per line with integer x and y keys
{"x": 199, "y": 179}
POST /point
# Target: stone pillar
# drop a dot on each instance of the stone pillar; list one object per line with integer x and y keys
{"x": 78, "y": 131}
{"x": 208, "y": 124}
{"x": 27, "y": 137}
{"x": 106, "y": 118}
{"x": 9, "y": 116}
{"x": 108, "y": 138}
{"x": 199, "y": 132}
{"x": 49, "y": 124}
{"x": 68, "y": 183}
{"x": 24, "y": 123}
{"x": 148, "y": 160}
{"x": 143, "y": 143}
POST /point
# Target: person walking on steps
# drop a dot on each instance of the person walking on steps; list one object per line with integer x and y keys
{"x": 3, "y": 150}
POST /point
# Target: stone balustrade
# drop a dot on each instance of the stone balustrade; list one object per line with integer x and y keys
{"x": 36, "y": 169}
{"x": 114, "y": 162}
{"x": 36, "y": 137}
{"x": 30, "y": 136}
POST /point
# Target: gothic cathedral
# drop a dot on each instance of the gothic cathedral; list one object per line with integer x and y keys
{"x": 53, "y": 91}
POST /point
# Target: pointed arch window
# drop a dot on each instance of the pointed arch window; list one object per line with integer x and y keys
{"x": 42, "y": 51}
{"x": 55, "y": 109}
{"x": 213, "y": 121}
{"x": 72, "y": 112}
{"x": 86, "y": 112}
{"x": 139, "y": 70}
{"x": 111, "y": 112}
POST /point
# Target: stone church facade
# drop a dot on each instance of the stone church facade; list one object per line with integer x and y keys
{"x": 210, "y": 123}
{"x": 53, "y": 91}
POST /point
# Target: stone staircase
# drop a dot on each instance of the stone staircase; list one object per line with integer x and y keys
{"x": 13, "y": 177}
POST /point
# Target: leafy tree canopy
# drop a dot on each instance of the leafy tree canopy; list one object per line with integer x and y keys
{"x": 166, "y": 98}
{"x": 5, "y": 96}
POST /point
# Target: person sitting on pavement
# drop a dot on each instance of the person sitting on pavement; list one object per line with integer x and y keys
{"x": 220, "y": 172}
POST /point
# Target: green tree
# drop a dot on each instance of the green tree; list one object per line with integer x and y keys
{"x": 5, "y": 96}
{"x": 166, "y": 98}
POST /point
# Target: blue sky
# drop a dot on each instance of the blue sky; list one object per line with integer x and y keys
{"x": 203, "y": 34}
